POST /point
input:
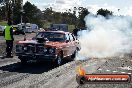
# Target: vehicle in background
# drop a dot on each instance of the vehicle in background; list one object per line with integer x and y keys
{"x": 54, "y": 46}
{"x": 41, "y": 29}
{"x": 1, "y": 30}
{"x": 21, "y": 28}
{"x": 59, "y": 27}
{"x": 31, "y": 28}
{"x": 17, "y": 30}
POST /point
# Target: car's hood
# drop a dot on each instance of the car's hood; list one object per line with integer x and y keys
{"x": 55, "y": 44}
{"x": 47, "y": 43}
{"x": 28, "y": 41}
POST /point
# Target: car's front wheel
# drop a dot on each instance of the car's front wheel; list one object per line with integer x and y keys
{"x": 59, "y": 60}
{"x": 23, "y": 61}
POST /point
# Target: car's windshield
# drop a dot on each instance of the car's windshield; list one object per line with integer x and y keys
{"x": 51, "y": 36}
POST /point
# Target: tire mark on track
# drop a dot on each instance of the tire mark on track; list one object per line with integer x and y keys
{"x": 13, "y": 73}
{"x": 12, "y": 79}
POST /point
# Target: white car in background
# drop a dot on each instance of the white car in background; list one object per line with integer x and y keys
{"x": 30, "y": 28}
{"x": 1, "y": 29}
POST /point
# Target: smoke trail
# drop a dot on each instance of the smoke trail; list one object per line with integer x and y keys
{"x": 105, "y": 37}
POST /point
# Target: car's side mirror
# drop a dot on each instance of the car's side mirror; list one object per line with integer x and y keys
{"x": 67, "y": 41}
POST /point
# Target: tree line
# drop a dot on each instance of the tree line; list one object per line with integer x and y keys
{"x": 12, "y": 10}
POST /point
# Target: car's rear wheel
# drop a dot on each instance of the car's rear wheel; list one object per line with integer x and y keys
{"x": 74, "y": 54}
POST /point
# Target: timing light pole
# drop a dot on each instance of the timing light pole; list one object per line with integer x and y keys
{"x": 21, "y": 12}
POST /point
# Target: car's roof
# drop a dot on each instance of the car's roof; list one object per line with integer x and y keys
{"x": 63, "y": 32}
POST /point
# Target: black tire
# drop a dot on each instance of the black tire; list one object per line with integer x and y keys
{"x": 58, "y": 61}
{"x": 74, "y": 54}
{"x": 23, "y": 33}
{"x": 23, "y": 61}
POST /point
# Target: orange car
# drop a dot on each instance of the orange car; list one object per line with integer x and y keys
{"x": 52, "y": 46}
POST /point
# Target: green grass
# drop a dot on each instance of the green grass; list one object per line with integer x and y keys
{"x": 71, "y": 27}
{"x": 3, "y": 23}
{"x": 46, "y": 25}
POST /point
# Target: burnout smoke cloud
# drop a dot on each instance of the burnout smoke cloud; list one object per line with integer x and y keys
{"x": 105, "y": 37}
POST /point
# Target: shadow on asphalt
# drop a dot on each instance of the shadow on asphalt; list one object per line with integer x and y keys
{"x": 31, "y": 68}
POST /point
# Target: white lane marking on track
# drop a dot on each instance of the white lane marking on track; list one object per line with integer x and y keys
{"x": 1, "y": 71}
{"x": 107, "y": 70}
{"x": 100, "y": 69}
{"x": 114, "y": 71}
{"x": 123, "y": 72}
{"x": 126, "y": 68}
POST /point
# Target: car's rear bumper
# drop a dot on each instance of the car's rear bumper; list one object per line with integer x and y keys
{"x": 37, "y": 57}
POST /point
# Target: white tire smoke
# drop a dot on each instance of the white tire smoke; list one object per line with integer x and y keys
{"x": 105, "y": 37}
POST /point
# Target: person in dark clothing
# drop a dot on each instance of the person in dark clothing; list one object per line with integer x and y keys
{"x": 75, "y": 32}
{"x": 8, "y": 35}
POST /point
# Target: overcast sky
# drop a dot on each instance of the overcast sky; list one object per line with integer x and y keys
{"x": 125, "y": 6}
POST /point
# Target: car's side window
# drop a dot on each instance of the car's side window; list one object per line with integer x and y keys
{"x": 40, "y": 35}
{"x": 67, "y": 37}
{"x": 71, "y": 37}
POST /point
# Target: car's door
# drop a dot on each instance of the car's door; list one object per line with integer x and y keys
{"x": 72, "y": 44}
{"x": 66, "y": 46}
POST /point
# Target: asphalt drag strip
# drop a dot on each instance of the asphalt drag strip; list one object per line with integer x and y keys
{"x": 60, "y": 77}
{"x": 11, "y": 70}
{"x": 113, "y": 66}
{"x": 43, "y": 75}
